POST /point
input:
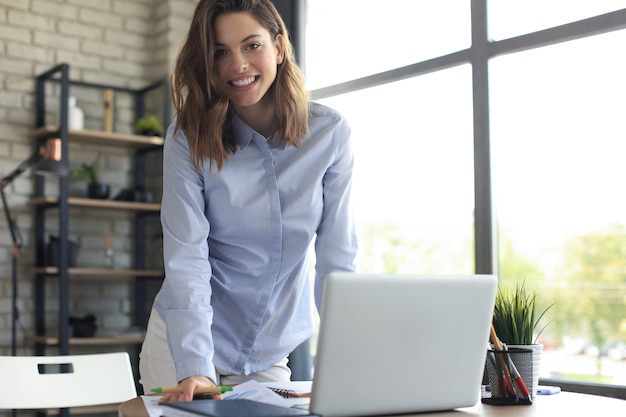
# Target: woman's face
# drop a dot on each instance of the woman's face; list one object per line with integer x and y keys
{"x": 246, "y": 57}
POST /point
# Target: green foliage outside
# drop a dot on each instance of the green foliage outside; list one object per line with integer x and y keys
{"x": 587, "y": 285}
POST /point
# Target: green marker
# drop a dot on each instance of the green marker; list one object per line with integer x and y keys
{"x": 208, "y": 390}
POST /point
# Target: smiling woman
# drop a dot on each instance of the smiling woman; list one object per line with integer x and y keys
{"x": 252, "y": 174}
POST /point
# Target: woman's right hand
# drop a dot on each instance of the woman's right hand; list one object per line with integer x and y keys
{"x": 189, "y": 386}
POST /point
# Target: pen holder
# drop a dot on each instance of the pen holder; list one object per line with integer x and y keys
{"x": 505, "y": 368}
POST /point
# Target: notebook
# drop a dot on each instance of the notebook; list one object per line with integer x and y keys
{"x": 393, "y": 344}
{"x": 232, "y": 408}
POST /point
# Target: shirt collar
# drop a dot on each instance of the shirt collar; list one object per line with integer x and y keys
{"x": 243, "y": 133}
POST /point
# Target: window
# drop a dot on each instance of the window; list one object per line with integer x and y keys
{"x": 558, "y": 139}
{"x": 557, "y": 107}
{"x": 350, "y": 39}
{"x": 405, "y": 171}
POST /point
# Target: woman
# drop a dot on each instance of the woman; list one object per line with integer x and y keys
{"x": 252, "y": 172}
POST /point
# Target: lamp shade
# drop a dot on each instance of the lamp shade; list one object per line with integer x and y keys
{"x": 49, "y": 167}
{"x": 50, "y": 162}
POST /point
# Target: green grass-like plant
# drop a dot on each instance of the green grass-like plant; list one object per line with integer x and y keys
{"x": 148, "y": 125}
{"x": 88, "y": 171}
{"x": 515, "y": 315}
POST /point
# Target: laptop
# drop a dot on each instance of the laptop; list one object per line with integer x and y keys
{"x": 392, "y": 344}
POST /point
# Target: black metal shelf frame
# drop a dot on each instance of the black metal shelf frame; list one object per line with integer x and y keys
{"x": 60, "y": 74}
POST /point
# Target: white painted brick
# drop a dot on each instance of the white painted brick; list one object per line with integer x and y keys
{"x": 184, "y": 8}
{"x": 101, "y": 48}
{"x": 100, "y": 18}
{"x": 179, "y": 24}
{"x": 51, "y": 31}
{"x": 79, "y": 59}
{"x": 162, "y": 10}
{"x": 4, "y": 151}
{"x": 11, "y": 133}
{"x": 80, "y": 30}
{"x": 123, "y": 68}
{"x": 23, "y": 50}
{"x": 10, "y": 99}
{"x": 138, "y": 26}
{"x": 15, "y": 4}
{"x": 91, "y": 4}
{"x": 55, "y": 40}
{"x": 134, "y": 9}
{"x": 15, "y": 66}
{"x": 54, "y": 9}
{"x": 15, "y": 33}
{"x": 141, "y": 56}
{"x": 30, "y": 20}
{"x": 20, "y": 117}
{"x": 125, "y": 39}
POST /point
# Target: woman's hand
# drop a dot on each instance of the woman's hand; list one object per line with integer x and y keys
{"x": 188, "y": 386}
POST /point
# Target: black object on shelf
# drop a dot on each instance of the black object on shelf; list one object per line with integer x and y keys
{"x": 84, "y": 326}
{"x": 52, "y": 253}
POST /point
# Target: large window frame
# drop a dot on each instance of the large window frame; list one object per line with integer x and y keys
{"x": 478, "y": 56}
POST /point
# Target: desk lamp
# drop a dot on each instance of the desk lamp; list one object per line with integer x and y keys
{"x": 47, "y": 161}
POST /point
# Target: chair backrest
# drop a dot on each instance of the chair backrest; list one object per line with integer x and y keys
{"x": 34, "y": 382}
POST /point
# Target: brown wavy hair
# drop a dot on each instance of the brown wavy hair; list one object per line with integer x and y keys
{"x": 200, "y": 105}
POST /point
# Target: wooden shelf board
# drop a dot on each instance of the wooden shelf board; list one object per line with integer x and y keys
{"x": 53, "y": 270}
{"x": 96, "y": 203}
{"x": 96, "y": 137}
{"x": 90, "y": 341}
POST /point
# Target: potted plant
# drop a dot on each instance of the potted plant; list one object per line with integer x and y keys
{"x": 95, "y": 189}
{"x": 148, "y": 126}
{"x": 516, "y": 320}
{"x": 515, "y": 315}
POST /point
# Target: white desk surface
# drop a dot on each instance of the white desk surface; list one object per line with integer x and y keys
{"x": 562, "y": 404}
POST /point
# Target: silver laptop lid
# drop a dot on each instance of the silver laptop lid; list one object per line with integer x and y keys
{"x": 400, "y": 344}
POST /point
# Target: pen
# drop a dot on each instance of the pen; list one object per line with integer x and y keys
{"x": 289, "y": 393}
{"x": 517, "y": 377}
{"x": 501, "y": 360}
{"x": 212, "y": 390}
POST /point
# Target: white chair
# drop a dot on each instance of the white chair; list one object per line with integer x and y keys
{"x": 94, "y": 379}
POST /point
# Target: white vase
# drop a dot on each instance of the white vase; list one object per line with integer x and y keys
{"x": 76, "y": 116}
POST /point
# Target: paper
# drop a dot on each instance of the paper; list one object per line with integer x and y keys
{"x": 251, "y": 390}
{"x": 150, "y": 402}
{"x": 254, "y": 391}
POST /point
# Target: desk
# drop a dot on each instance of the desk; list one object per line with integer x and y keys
{"x": 562, "y": 404}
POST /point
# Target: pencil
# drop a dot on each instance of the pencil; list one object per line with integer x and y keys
{"x": 208, "y": 390}
{"x": 498, "y": 347}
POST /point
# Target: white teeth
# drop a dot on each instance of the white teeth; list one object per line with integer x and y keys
{"x": 244, "y": 82}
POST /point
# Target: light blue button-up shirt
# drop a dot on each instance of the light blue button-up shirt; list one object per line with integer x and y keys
{"x": 236, "y": 293}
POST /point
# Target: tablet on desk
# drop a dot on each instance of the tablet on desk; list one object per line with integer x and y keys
{"x": 232, "y": 408}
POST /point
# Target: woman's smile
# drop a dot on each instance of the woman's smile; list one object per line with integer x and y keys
{"x": 244, "y": 82}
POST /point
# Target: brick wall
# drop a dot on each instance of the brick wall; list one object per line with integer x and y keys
{"x": 129, "y": 43}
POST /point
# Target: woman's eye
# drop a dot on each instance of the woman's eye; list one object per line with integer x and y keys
{"x": 220, "y": 52}
{"x": 253, "y": 46}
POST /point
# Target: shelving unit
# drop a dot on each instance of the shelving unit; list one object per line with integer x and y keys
{"x": 61, "y": 202}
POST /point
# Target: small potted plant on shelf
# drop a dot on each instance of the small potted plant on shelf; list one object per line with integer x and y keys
{"x": 148, "y": 126}
{"x": 95, "y": 189}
